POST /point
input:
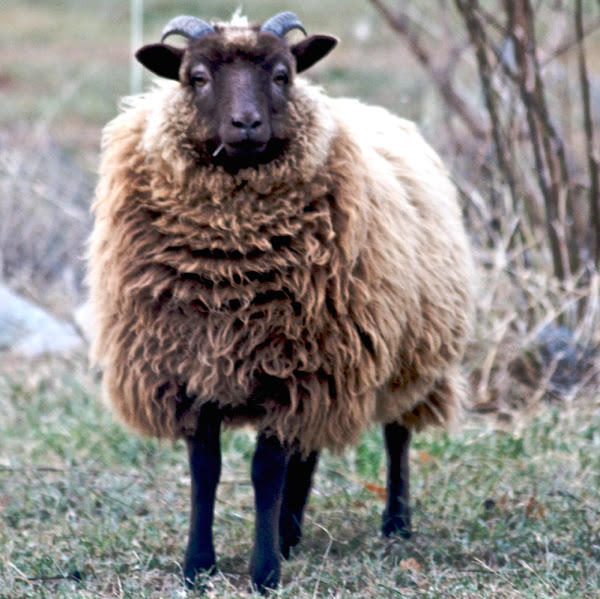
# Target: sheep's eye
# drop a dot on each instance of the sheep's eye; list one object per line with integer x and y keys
{"x": 281, "y": 78}
{"x": 199, "y": 79}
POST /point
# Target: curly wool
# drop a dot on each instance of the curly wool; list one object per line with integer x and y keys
{"x": 309, "y": 296}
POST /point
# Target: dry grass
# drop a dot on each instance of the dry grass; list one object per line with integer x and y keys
{"x": 44, "y": 218}
{"x": 536, "y": 337}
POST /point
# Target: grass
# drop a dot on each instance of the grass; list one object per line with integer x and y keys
{"x": 89, "y": 510}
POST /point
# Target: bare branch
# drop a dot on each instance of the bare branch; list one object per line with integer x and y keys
{"x": 532, "y": 157}
{"x": 593, "y": 162}
{"x": 400, "y": 22}
{"x": 547, "y": 146}
{"x": 468, "y": 10}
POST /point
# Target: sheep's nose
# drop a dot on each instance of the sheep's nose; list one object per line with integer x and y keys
{"x": 247, "y": 122}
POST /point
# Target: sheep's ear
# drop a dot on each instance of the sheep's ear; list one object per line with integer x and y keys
{"x": 311, "y": 50}
{"x": 161, "y": 59}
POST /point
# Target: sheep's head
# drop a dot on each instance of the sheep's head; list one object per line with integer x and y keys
{"x": 241, "y": 80}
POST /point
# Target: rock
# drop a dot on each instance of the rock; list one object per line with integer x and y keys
{"x": 28, "y": 330}
{"x": 84, "y": 319}
{"x": 559, "y": 348}
{"x": 557, "y": 359}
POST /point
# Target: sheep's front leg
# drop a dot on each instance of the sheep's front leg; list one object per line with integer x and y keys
{"x": 396, "y": 517}
{"x": 268, "y": 475}
{"x": 204, "y": 453}
{"x": 298, "y": 482}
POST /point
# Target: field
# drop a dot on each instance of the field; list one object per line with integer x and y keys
{"x": 89, "y": 510}
{"x": 505, "y": 506}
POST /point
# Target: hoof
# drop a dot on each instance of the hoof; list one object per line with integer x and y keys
{"x": 290, "y": 532}
{"x": 265, "y": 575}
{"x": 396, "y": 524}
{"x": 198, "y": 566}
{"x": 287, "y": 541}
{"x": 285, "y": 549}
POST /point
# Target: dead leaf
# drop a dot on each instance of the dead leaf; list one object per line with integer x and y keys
{"x": 535, "y": 509}
{"x": 425, "y": 457}
{"x": 410, "y": 564}
{"x": 381, "y": 492}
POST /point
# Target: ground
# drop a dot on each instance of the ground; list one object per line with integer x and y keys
{"x": 501, "y": 509}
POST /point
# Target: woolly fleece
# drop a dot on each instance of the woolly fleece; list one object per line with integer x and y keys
{"x": 309, "y": 296}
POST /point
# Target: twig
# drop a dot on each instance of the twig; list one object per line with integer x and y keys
{"x": 387, "y": 587}
{"x": 593, "y": 163}
{"x": 324, "y": 559}
{"x": 22, "y": 469}
{"x": 573, "y": 497}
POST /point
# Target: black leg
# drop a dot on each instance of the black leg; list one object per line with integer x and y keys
{"x": 205, "y": 467}
{"x": 396, "y": 517}
{"x": 268, "y": 476}
{"x": 295, "y": 494}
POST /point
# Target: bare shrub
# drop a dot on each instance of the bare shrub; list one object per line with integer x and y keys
{"x": 44, "y": 220}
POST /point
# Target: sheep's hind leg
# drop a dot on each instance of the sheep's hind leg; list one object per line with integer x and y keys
{"x": 268, "y": 476}
{"x": 204, "y": 453}
{"x": 396, "y": 517}
{"x": 298, "y": 482}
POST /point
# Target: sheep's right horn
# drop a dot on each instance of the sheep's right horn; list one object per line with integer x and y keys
{"x": 282, "y": 23}
{"x": 190, "y": 27}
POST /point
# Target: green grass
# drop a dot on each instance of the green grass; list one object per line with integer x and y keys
{"x": 88, "y": 509}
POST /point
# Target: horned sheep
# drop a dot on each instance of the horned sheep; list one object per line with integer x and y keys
{"x": 265, "y": 254}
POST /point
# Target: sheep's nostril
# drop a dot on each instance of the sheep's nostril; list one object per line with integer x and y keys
{"x": 246, "y": 124}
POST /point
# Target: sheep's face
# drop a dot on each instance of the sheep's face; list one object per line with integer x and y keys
{"x": 240, "y": 80}
{"x": 241, "y": 95}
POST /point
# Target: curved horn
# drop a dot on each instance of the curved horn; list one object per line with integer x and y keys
{"x": 282, "y": 23}
{"x": 190, "y": 27}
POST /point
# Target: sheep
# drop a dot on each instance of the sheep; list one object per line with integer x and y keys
{"x": 265, "y": 254}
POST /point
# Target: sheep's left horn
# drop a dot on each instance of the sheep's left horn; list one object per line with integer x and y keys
{"x": 283, "y": 23}
{"x": 190, "y": 27}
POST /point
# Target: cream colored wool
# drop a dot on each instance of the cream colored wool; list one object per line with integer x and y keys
{"x": 340, "y": 269}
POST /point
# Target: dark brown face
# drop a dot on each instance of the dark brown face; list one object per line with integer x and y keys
{"x": 242, "y": 97}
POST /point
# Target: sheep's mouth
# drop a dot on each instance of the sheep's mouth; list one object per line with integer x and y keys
{"x": 246, "y": 147}
{"x": 234, "y": 156}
